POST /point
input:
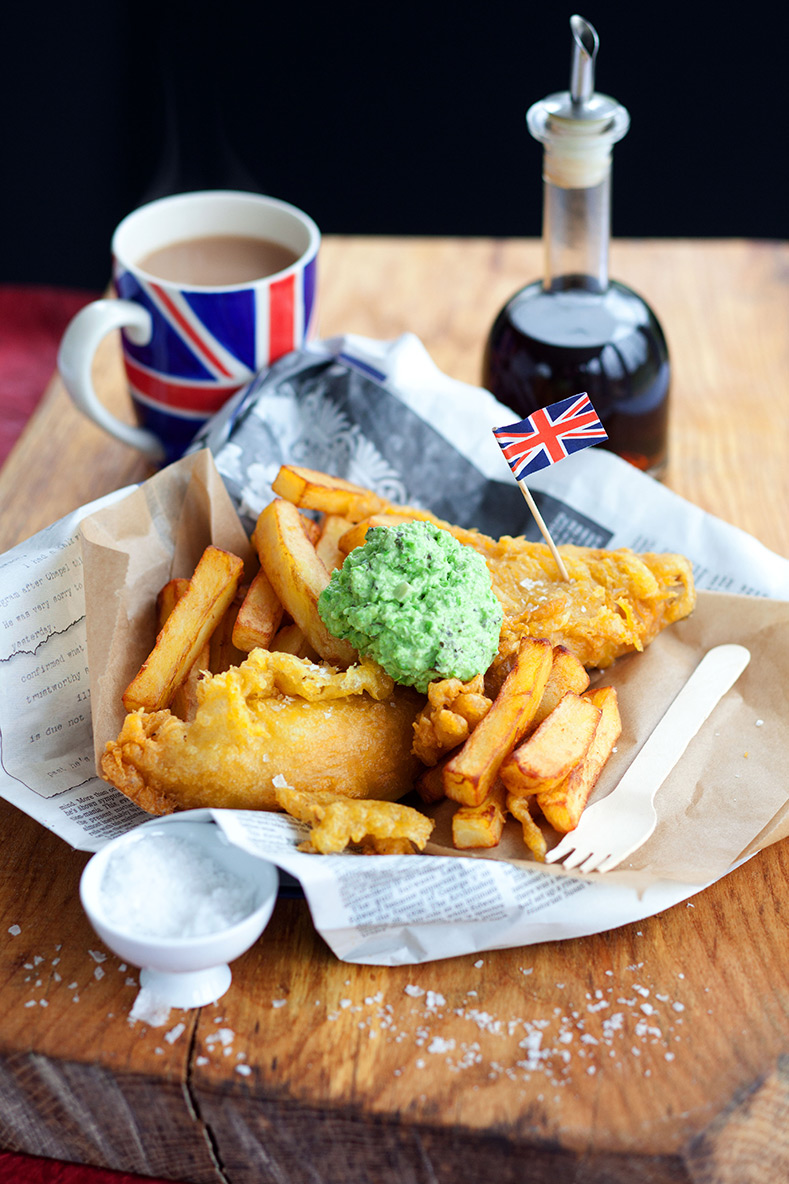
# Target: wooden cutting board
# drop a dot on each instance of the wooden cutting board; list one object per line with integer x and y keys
{"x": 656, "y": 1052}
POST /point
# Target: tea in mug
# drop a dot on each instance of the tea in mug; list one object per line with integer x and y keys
{"x": 218, "y": 259}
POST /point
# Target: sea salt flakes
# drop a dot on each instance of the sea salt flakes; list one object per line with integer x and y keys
{"x": 14, "y": 930}
{"x": 201, "y": 895}
{"x": 439, "y": 1045}
{"x": 150, "y": 1009}
{"x": 222, "y": 1036}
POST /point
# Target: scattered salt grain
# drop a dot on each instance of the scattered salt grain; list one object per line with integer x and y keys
{"x": 438, "y": 1044}
{"x": 414, "y": 991}
{"x": 201, "y": 895}
{"x": 150, "y": 1009}
{"x": 174, "y": 1033}
{"x": 14, "y": 930}
{"x": 223, "y": 1036}
{"x": 278, "y": 1002}
{"x": 244, "y": 1070}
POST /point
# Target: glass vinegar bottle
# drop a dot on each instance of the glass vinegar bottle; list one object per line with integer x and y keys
{"x": 576, "y": 329}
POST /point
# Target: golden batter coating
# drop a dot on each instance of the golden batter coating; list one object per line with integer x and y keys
{"x": 615, "y": 602}
{"x": 276, "y": 719}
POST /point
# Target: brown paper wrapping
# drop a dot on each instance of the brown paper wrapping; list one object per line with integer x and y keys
{"x": 726, "y": 799}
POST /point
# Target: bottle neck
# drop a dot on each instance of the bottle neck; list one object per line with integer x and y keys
{"x": 576, "y": 235}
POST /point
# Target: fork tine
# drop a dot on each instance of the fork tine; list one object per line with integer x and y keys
{"x": 562, "y": 848}
{"x": 613, "y": 861}
{"x": 575, "y": 857}
{"x": 595, "y": 862}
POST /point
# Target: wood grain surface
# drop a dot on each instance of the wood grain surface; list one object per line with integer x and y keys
{"x": 658, "y": 1052}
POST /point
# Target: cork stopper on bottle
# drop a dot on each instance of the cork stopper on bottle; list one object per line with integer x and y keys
{"x": 578, "y": 127}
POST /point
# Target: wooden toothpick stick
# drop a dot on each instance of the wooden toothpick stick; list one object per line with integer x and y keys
{"x": 546, "y": 534}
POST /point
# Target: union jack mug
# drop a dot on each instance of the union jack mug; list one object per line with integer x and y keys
{"x": 189, "y": 346}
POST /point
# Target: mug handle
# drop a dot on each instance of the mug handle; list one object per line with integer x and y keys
{"x": 75, "y": 360}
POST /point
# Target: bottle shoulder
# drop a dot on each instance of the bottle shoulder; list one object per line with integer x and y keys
{"x": 575, "y": 312}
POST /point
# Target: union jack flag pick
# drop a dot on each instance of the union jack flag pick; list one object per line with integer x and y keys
{"x": 550, "y": 434}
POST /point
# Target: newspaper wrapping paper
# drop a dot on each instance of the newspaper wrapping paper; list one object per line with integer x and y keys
{"x": 384, "y": 416}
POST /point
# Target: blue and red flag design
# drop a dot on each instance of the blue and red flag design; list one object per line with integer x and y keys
{"x": 550, "y": 434}
{"x": 202, "y": 349}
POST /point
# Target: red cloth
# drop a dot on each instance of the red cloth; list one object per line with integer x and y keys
{"x": 28, "y": 1169}
{"x": 32, "y": 322}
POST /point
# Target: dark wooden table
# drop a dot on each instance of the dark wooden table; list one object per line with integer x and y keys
{"x": 657, "y": 1052}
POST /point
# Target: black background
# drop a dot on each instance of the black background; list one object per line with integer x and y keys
{"x": 387, "y": 119}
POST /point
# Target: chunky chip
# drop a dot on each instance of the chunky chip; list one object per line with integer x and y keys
{"x": 554, "y": 749}
{"x": 223, "y": 653}
{"x": 289, "y": 639}
{"x": 184, "y": 700}
{"x": 470, "y": 773}
{"x": 298, "y": 576}
{"x": 564, "y": 805}
{"x": 259, "y": 616}
{"x": 312, "y": 490}
{"x": 187, "y": 629}
{"x": 482, "y": 825}
{"x": 567, "y": 674}
{"x": 327, "y": 547}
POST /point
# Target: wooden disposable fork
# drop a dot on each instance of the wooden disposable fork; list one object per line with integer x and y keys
{"x": 620, "y": 823}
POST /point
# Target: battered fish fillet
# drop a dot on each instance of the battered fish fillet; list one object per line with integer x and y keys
{"x": 615, "y": 602}
{"x": 276, "y": 719}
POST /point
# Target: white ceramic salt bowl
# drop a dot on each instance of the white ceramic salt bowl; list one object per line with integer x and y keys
{"x": 183, "y": 971}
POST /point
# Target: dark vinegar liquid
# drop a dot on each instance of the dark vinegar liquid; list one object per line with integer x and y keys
{"x": 548, "y": 345}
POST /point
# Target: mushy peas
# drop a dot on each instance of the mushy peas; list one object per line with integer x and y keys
{"x": 416, "y": 601}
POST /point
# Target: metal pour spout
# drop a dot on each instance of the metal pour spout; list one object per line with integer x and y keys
{"x": 582, "y": 63}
